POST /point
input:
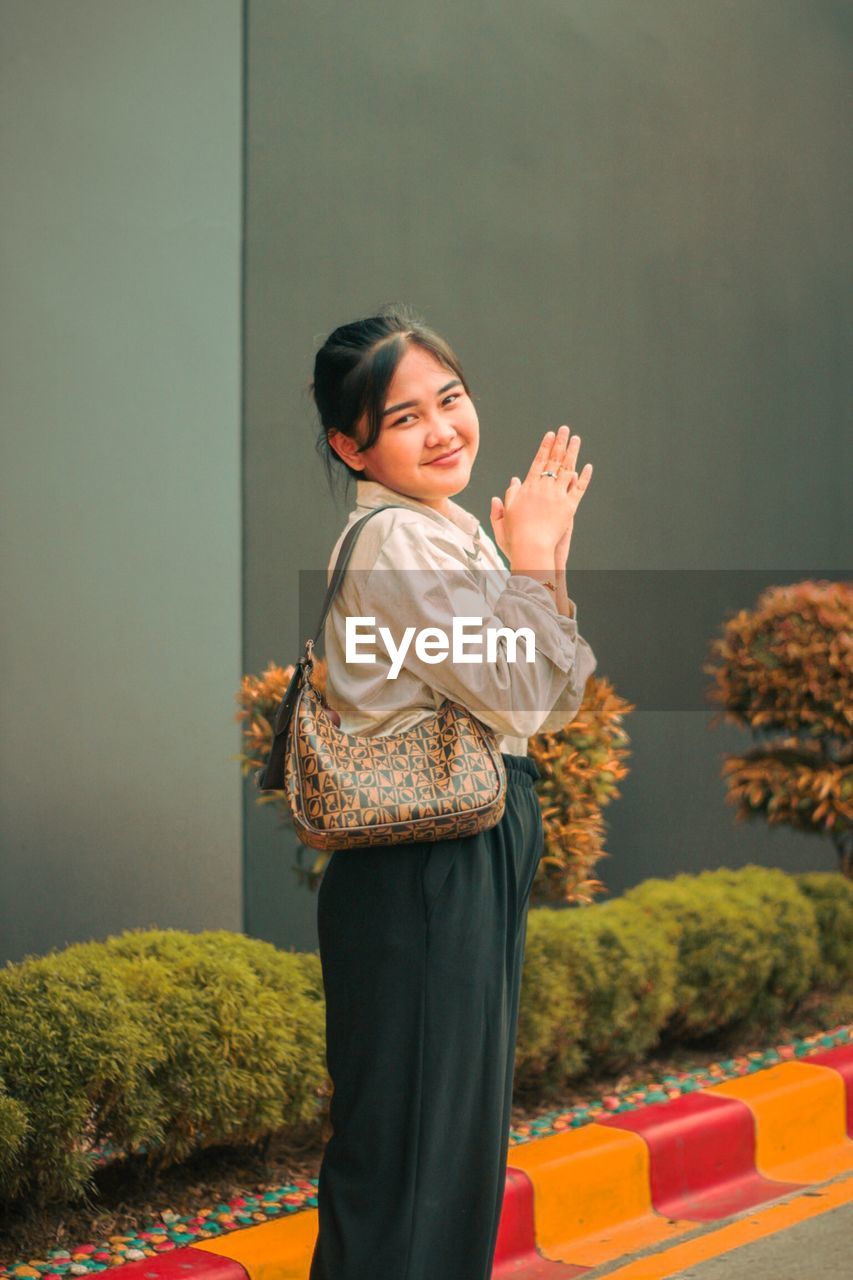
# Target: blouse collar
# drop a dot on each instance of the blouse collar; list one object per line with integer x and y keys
{"x": 371, "y": 493}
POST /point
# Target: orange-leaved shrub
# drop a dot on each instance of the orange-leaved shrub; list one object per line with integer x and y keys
{"x": 581, "y": 766}
{"x": 783, "y": 670}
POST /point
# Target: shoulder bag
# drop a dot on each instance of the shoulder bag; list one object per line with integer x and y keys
{"x": 443, "y": 778}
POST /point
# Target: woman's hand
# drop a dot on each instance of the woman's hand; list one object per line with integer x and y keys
{"x": 556, "y": 453}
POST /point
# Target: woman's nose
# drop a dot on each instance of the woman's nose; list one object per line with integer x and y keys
{"x": 442, "y": 431}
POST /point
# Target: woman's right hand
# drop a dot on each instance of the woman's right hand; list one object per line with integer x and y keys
{"x": 540, "y": 510}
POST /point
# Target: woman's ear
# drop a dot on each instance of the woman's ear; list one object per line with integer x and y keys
{"x": 345, "y": 448}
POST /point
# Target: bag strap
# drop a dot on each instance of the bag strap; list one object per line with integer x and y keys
{"x": 341, "y": 564}
{"x": 271, "y": 777}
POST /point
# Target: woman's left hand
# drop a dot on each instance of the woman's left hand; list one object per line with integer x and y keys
{"x": 561, "y": 551}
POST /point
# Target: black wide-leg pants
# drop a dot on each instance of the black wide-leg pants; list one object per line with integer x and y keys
{"x": 421, "y": 948}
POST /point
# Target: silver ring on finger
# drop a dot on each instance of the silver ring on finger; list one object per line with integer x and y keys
{"x": 547, "y": 473}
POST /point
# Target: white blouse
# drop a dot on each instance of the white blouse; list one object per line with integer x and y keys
{"x": 418, "y": 568}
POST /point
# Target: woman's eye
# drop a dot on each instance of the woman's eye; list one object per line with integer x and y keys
{"x": 453, "y": 395}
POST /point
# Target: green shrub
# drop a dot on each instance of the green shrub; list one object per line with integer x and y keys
{"x": 75, "y": 1054}
{"x": 598, "y": 985}
{"x": 790, "y": 940}
{"x": 244, "y": 1035}
{"x": 13, "y": 1130}
{"x": 634, "y": 995}
{"x": 831, "y": 895}
{"x": 550, "y": 1015}
{"x": 160, "y": 1037}
{"x": 722, "y": 963}
{"x": 747, "y": 948}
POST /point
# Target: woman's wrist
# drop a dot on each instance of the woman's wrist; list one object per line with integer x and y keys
{"x": 536, "y": 560}
{"x": 532, "y": 557}
{"x": 545, "y": 577}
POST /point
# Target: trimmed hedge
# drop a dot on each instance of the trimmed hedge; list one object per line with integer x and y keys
{"x": 597, "y": 986}
{"x": 13, "y": 1130}
{"x": 682, "y": 958}
{"x": 789, "y": 937}
{"x": 831, "y": 896}
{"x": 747, "y": 945}
{"x": 180, "y": 1040}
{"x": 161, "y": 1037}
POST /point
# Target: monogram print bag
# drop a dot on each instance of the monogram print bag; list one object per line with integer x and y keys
{"x": 443, "y": 778}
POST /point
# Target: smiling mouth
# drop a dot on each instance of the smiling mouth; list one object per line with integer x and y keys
{"x": 446, "y": 457}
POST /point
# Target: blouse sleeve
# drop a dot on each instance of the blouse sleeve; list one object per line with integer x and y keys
{"x": 416, "y": 583}
{"x": 569, "y": 701}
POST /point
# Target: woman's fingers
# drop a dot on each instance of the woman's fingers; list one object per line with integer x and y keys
{"x": 568, "y": 462}
{"x": 558, "y": 448}
{"x": 572, "y": 452}
{"x": 541, "y": 457}
{"x": 558, "y": 452}
{"x": 512, "y": 490}
{"x": 578, "y": 484}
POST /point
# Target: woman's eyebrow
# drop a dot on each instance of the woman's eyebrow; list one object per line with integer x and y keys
{"x": 410, "y": 404}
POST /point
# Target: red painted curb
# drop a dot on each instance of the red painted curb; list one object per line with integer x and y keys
{"x": 701, "y": 1156}
{"x": 841, "y": 1060}
{"x": 180, "y": 1264}
{"x": 515, "y": 1252}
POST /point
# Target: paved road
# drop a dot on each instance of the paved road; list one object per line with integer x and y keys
{"x": 806, "y": 1235}
{"x": 819, "y": 1249}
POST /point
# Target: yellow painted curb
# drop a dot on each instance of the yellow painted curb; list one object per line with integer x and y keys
{"x": 279, "y": 1250}
{"x": 800, "y": 1120}
{"x": 592, "y": 1195}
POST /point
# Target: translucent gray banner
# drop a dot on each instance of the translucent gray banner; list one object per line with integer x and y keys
{"x": 650, "y": 630}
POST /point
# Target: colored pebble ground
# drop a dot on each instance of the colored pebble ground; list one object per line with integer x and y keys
{"x": 172, "y": 1231}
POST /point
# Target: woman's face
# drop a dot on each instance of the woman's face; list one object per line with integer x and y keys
{"x": 427, "y": 413}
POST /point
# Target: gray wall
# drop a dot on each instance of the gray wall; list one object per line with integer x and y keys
{"x": 631, "y": 217}
{"x": 120, "y": 154}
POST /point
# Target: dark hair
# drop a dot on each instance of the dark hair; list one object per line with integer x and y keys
{"x": 353, "y": 369}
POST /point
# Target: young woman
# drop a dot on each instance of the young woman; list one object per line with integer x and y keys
{"x": 422, "y": 945}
